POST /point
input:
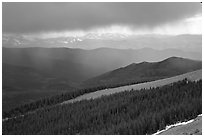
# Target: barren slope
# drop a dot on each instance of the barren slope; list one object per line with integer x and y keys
{"x": 193, "y": 76}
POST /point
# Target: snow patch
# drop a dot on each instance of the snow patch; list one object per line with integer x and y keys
{"x": 175, "y": 125}
{"x": 79, "y": 39}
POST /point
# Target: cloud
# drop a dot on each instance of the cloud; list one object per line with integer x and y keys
{"x": 190, "y": 25}
{"x": 60, "y": 17}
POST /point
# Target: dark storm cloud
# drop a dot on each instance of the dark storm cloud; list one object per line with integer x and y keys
{"x": 36, "y": 17}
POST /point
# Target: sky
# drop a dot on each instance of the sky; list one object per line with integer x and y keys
{"x": 51, "y": 20}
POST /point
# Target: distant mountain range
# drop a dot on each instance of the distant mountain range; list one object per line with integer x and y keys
{"x": 110, "y": 40}
{"x": 31, "y": 73}
{"x": 64, "y": 68}
{"x": 77, "y": 65}
{"x": 145, "y": 71}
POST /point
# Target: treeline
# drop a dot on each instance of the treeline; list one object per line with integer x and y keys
{"x": 134, "y": 112}
{"x": 56, "y": 99}
{"x": 120, "y": 81}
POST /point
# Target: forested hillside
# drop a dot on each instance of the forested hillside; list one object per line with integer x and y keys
{"x": 134, "y": 112}
{"x": 94, "y": 92}
{"x": 145, "y": 71}
{"x": 31, "y": 74}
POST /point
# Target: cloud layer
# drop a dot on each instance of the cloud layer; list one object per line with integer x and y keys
{"x": 55, "y": 17}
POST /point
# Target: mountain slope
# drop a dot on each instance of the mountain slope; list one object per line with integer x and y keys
{"x": 78, "y": 65}
{"x": 32, "y": 73}
{"x": 24, "y": 78}
{"x": 135, "y": 112}
{"x": 146, "y": 71}
{"x": 191, "y": 76}
{"x": 22, "y": 85}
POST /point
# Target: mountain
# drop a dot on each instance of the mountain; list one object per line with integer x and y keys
{"x": 24, "y": 78}
{"x": 21, "y": 85}
{"x": 77, "y": 65}
{"x": 187, "y": 43}
{"x": 146, "y": 71}
{"x": 32, "y": 73}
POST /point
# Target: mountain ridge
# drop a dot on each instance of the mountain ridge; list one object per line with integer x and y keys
{"x": 144, "y": 71}
{"x": 182, "y": 42}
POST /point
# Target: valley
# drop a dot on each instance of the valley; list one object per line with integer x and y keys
{"x": 52, "y": 93}
{"x": 27, "y": 80}
{"x": 101, "y": 68}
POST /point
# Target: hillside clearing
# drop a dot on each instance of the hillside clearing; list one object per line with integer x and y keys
{"x": 138, "y": 112}
{"x": 193, "y": 76}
